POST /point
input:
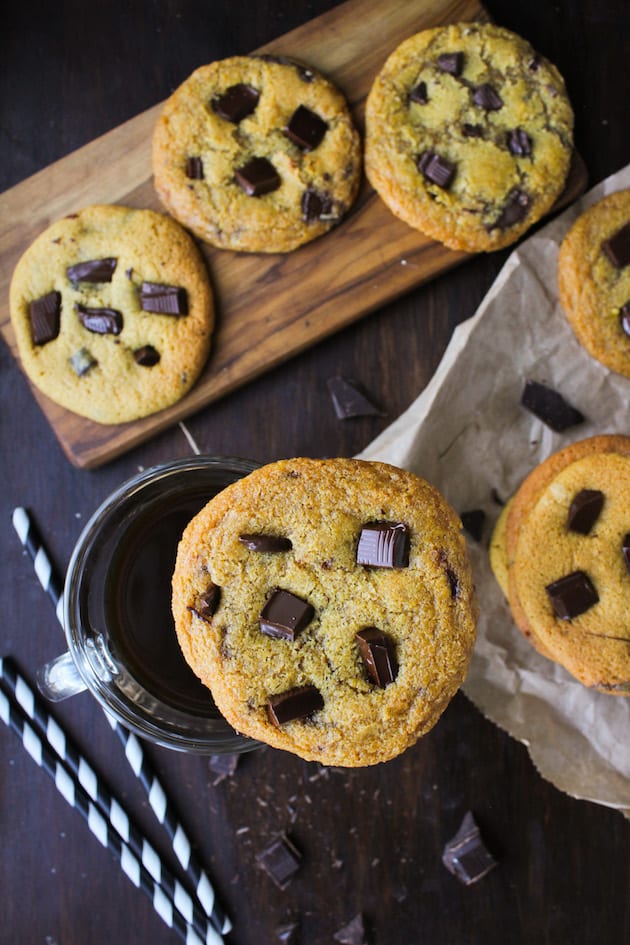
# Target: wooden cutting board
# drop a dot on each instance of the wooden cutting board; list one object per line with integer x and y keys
{"x": 269, "y": 307}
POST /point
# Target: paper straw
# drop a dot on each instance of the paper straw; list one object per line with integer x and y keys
{"x": 100, "y": 794}
{"x": 14, "y": 716}
{"x": 134, "y": 753}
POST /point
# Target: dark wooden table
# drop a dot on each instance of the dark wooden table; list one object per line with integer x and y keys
{"x": 372, "y": 839}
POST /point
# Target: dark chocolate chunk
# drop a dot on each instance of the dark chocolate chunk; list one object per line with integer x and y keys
{"x": 285, "y": 615}
{"x": 288, "y": 934}
{"x": 102, "y": 321}
{"x": 147, "y": 356}
{"x": 353, "y": 933}
{"x": 377, "y": 653}
{"x": 350, "y": 400}
{"x": 436, "y": 169}
{"x": 514, "y": 210}
{"x": 584, "y": 510}
{"x": 473, "y": 521}
{"x": 625, "y": 550}
{"x": 266, "y": 543}
{"x": 223, "y": 765}
{"x": 194, "y": 168}
{"x": 305, "y": 128}
{"x": 257, "y": 177}
{"x": 206, "y": 604}
{"x": 487, "y": 97}
{"x": 534, "y": 63}
{"x": 82, "y": 361}
{"x": 624, "y": 318}
{"x": 453, "y": 583}
{"x": 617, "y": 247}
{"x": 419, "y": 94}
{"x": 472, "y": 131}
{"x": 315, "y": 205}
{"x": 163, "y": 299}
{"x": 549, "y": 406}
{"x": 294, "y": 704}
{"x": 93, "y": 270}
{"x": 451, "y": 63}
{"x": 519, "y": 143}
{"x": 236, "y": 103}
{"x": 45, "y": 314}
{"x": 280, "y": 860}
{"x": 572, "y": 595}
{"x": 384, "y": 545}
{"x": 466, "y": 856}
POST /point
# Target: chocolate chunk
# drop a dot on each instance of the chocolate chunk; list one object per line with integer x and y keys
{"x": 280, "y": 860}
{"x": 194, "y": 168}
{"x": 584, "y": 510}
{"x": 45, "y": 314}
{"x": 223, "y": 765}
{"x": 534, "y": 63}
{"x": 236, "y": 103}
{"x": 350, "y": 400}
{"x": 466, "y": 856}
{"x": 266, "y": 543}
{"x": 550, "y": 406}
{"x": 285, "y": 615}
{"x": 473, "y": 522}
{"x": 305, "y": 128}
{"x": 419, "y": 94}
{"x": 206, "y": 604}
{"x": 514, "y": 210}
{"x": 472, "y": 131}
{"x": 353, "y": 933}
{"x": 625, "y": 550}
{"x": 82, "y": 361}
{"x": 617, "y": 247}
{"x": 519, "y": 143}
{"x": 453, "y": 583}
{"x": 257, "y": 177}
{"x": 294, "y": 704}
{"x": 94, "y": 270}
{"x": 624, "y": 318}
{"x": 288, "y": 934}
{"x": 384, "y": 545}
{"x": 572, "y": 595}
{"x": 147, "y": 356}
{"x": 486, "y": 97}
{"x": 451, "y": 63}
{"x": 377, "y": 653}
{"x": 436, "y": 169}
{"x": 315, "y": 205}
{"x": 102, "y": 321}
{"x": 163, "y": 299}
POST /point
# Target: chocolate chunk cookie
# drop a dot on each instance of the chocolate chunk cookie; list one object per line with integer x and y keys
{"x": 257, "y": 153}
{"x": 594, "y": 280}
{"x": 328, "y": 605}
{"x": 113, "y": 312}
{"x": 561, "y": 554}
{"x": 468, "y": 135}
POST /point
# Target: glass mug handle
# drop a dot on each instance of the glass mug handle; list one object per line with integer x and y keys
{"x": 60, "y": 679}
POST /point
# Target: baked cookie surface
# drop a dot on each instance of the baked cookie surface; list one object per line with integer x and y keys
{"x": 594, "y": 280}
{"x": 113, "y": 312}
{"x": 566, "y": 550}
{"x": 257, "y": 154}
{"x": 329, "y": 607}
{"x": 468, "y": 135}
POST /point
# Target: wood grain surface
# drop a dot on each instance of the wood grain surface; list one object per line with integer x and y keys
{"x": 270, "y": 306}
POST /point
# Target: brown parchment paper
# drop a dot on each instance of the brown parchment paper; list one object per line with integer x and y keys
{"x": 468, "y": 435}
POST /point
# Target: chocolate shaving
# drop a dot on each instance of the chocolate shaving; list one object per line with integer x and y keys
{"x": 486, "y": 97}
{"x": 288, "y": 934}
{"x": 236, "y": 103}
{"x": 206, "y": 604}
{"x": 194, "y": 168}
{"x": 280, "y": 860}
{"x": 93, "y": 270}
{"x": 223, "y": 765}
{"x": 350, "y": 400}
{"x": 147, "y": 356}
{"x": 436, "y": 169}
{"x": 297, "y": 703}
{"x": 266, "y": 543}
{"x": 572, "y": 595}
{"x": 45, "y": 315}
{"x": 285, "y": 615}
{"x": 353, "y": 933}
{"x": 377, "y": 653}
{"x": 384, "y": 545}
{"x": 473, "y": 521}
{"x": 257, "y": 177}
{"x": 465, "y": 855}
{"x": 585, "y": 510}
{"x": 305, "y": 128}
{"x": 419, "y": 94}
{"x": 617, "y": 247}
{"x": 163, "y": 299}
{"x": 82, "y": 361}
{"x": 519, "y": 143}
{"x": 451, "y": 63}
{"x": 550, "y": 406}
{"x": 101, "y": 321}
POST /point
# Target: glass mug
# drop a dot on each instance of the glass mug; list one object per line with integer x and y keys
{"x": 121, "y": 638}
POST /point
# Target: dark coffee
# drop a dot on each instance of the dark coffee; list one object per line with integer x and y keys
{"x": 138, "y": 605}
